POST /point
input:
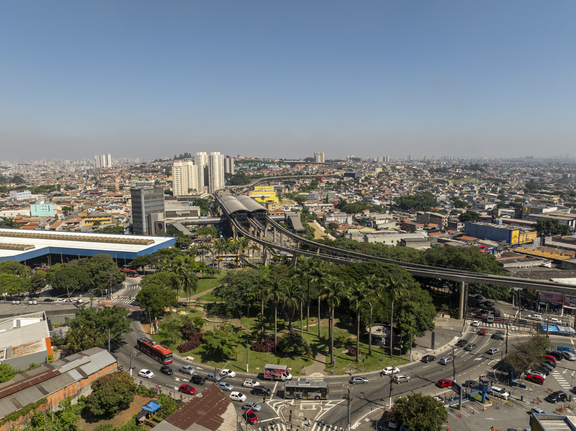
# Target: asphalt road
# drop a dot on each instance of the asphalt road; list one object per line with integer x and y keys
{"x": 365, "y": 398}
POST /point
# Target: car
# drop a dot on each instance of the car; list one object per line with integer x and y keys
{"x": 497, "y": 337}
{"x": 165, "y": 369}
{"x": 489, "y": 303}
{"x": 146, "y": 373}
{"x": 554, "y": 320}
{"x": 358, "y": 380}
{"x": 557, "y": 355}
{"x": 78, "y": 301}
{"x": 187, "y": 389}
{"x": 535, "y": 316}
{"x": 550, "y": 358}
{"x": 32, "y": 302}
{"x": 536, "y": 372}
{"x": 196, "y": 379}
{"x": 261, "y": 390}
{"x": 250, "y": 417}
{"x": 401, "y": 378}
{"x": 483, "y": 331}
{"x": 535, "y": 378}
{"x": 225, "y": 386}
{"x": 444, "y": 383}
{"x": 537, "y": 410}
{"x": 499, "y": 392}
{"x": 392, "y": 425}
{"x": 390, "y": 370}
{"x": 226, "y": 373}
{"x": 251, "y": 405}
{"x": 210, "y": 377}
{"x": 544, "y": 371}
{"x": 15, "y": 302}
{"x": 569, "y": 356}
{"x": 187, "y": 369}
{"x": 547, "y": 365}
{"x": 237, "y": 396}
{"x": 249, "y": 383}
{"x": 493, "y": 350}
{"x": 445, "y": 360}
{"x": 470, "y": 383}
{"x": 554, "y": 397}
{"x": 48, "y": 300}
{"x": 461, "y": 343}
{"x": 428, "y": 358}
{"x": 60, "y": 300}
{"x": 469, "y": 347}
{"x": 476, "y": 323}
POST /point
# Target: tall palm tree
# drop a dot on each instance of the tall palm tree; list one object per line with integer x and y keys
{"x": 292, "y": 297}
{"x": 264, "y": 291}
{"x": 397, "y": 290}
{"x": 319, "y": 273}
{"x": 359, "y": 294}
{"x": 374, "y": 285}
{"x": 332, "y": 293}
{"x": 220, "y": 246}
{"x": 242, "y": 245}
{"x": 276, "y": 289}
{"x": 304, "y": 271}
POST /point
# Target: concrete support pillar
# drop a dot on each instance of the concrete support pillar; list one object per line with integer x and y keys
{"x": 294, "y": 260}
{"x": 281, "y": 238}
{"x": 462, "y": 296}
{"x": 268, "y": 257}
{"x": 318, "y": 251}
{"x": 273, "y": 234}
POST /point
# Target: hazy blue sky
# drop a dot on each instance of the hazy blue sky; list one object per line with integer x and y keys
{"x": 285, "y": 78}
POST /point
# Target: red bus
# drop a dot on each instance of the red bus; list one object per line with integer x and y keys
{"x": 130, "y": 272}
{"x": 155, "y": 350}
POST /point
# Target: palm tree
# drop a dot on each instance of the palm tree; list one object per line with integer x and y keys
{"x": 374, "y": 284}
{"x": 359, "y": 295}
{"x": 276, "y": 288}
{"x": 292, "y": 297}
{"x": 264, "y": 291}
{"x": 332, "y": 293}
{"x": 221, "y": 246}
{"x": 304, "y": 270}
{"x": 242, "y": 246}
{"x": 397, "y": 290}
{"x": 319, "y": 273}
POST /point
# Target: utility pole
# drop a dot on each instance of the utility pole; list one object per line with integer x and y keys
{"x": 108, "y": 339}
{"x": 507, "y": 329}
{"x": 349, "y": 399}
{"x": 453, "y": 364}
{"x": 390, "y": 403}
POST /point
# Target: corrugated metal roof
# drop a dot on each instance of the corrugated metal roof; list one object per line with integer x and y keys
{"x": 75, "y": 375}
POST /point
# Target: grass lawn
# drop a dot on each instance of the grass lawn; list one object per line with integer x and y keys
{"x": 210, "y": 298}
{"x": 206, "y": 282}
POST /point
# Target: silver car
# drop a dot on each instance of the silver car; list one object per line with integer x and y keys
{"x": 401, "y": 378}
{"x": 186, "y": 369}
{"x": 251, "y": 405}
{"x": 446, "y": 360}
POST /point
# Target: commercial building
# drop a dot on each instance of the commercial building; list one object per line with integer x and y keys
{"x": 147, "y": 207}
{"x": 103, "y": 160}
{"x": 229, "y": 165}
{"x": 499, "y": 232}
{"x": 20, "y": 194}
{"x": 42, "y": 210}
{"x": 25, "y": 339}
{"x": 46, "y": 386}
{"x": 318, "y": 157}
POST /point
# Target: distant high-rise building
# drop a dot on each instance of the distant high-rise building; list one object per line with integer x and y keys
{"x": 103, "y": 160}
{"x": 215, "y": 172}
{"x": 147, "y": 208}
{"x": 318, "y": 157}
{"x": 229, "y": 165}
{"x": 205, "y": 174}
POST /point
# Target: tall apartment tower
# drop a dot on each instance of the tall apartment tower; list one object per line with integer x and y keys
{"x": 201, "y": 161}
{"x": 215, "y": 172}
{"x": 103, "y": 160}
{"x": 184, "y": 177}
{"x": 318, "y": 157}
{"x": 229, "y": 165}
{"x": 147, "y": 208}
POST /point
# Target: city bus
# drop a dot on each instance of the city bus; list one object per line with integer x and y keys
{"x": 130, "y": 272}
{"x": 155, "y": 350}
{"x": 313, "y": 390}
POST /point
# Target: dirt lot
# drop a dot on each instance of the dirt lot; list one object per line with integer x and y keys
{"x": 121, "y": 418}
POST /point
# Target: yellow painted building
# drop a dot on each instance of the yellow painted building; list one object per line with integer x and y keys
{"x": 264, "y": 194}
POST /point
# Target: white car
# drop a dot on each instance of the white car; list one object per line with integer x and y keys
{"x": 237, "y": 396}
{"x": 499, "y": 392}
{"x": 493, "y": 350}
{"x": 569, "y": 355}
{"x": 554, "y": 320}
{"x": 250, "y": 383}
{"x": 32, "y": 302}
{"x": 226, "y": 373}
{"x": 535, "y": 317}
{"x": 60, "y": 300}
{"x": 475, "y": 323}
{"x": 537, "y": 373}
{"x": 390, "y": 370}
{"x": 146, "y": 373}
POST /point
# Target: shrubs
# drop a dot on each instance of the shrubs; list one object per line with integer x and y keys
{"x": 293, "y": 344}
{"x": 265, "y": 345}
{"x": 194, "y": 340}
{"x": 110, "y": 394}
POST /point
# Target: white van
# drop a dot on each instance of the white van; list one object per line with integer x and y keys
{"x": 490, "y": 318}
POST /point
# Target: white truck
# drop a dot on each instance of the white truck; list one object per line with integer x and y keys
{"x": 277, "y": 372}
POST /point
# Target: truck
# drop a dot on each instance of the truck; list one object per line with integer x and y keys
{"x": 277, "y": 372}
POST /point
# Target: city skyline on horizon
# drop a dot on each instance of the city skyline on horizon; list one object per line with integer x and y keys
{"x": 144, "y": 80}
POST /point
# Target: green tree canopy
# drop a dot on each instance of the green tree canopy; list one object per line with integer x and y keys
{"x": 237, "y": 290}
{"x": 548, "y": 227}
{"x": 469, "y": 216}
{"x": 221, "y": 341}
{"x": 7, "y": 372}
{"x": 156, "y": 293}
{"x": 420, "y": 412}
{"x": 418, "y": 202}
{"x": 110, "y": 394}
{"x": 15, "y": 268}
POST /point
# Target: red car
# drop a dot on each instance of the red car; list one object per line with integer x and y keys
{"x": 444, "y": 383}
{"x": 550, "y": 358}
{"x": 483, "y": 331}
{"x": 187, "y": 389}
{"x": 535, "y": 378}
{"x": 250, "y": 417}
